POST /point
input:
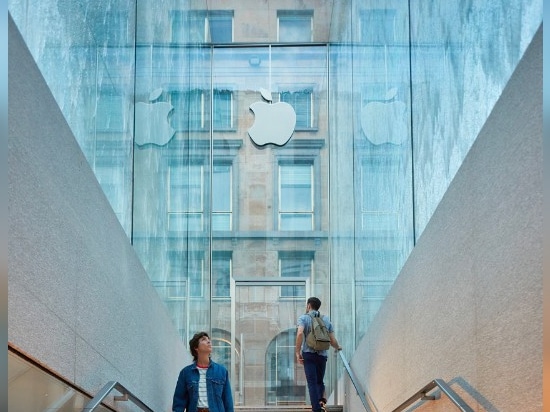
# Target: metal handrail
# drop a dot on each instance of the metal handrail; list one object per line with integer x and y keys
{"x": 420, "y": 395}
{"x": 126, "y": 395}
{"x": 446, "y": 389}
{"x": 367, "y": 404}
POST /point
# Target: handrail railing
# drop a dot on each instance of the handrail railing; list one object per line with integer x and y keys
{"x": 104, "y": 392}
{"x": 446, "y": 389}
{"x": 420, "y": 395}
{"x": 368, "y": 404}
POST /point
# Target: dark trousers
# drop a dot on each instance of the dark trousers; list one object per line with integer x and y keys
{"x": 314, "y": 368}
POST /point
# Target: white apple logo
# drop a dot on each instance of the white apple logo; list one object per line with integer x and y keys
{"x": 273, "y": 122}
{"x": 385, "y": 122}
{"x": 152, "y": 121}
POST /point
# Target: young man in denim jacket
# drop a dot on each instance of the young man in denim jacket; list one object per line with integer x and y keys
{"x": 204, "y": 385}
{"x": 315, "y": 362}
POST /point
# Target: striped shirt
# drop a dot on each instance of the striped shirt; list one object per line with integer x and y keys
{"x": 203, "y": 394}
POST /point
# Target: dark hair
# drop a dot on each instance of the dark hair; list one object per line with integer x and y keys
{"x": 314, "y": 302}
{"x": 194, "y": 343}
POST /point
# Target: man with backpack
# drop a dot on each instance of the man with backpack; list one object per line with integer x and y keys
{"x": 315, "y": 329}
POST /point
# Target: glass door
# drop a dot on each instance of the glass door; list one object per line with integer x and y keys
{"x": 263, "y": 326}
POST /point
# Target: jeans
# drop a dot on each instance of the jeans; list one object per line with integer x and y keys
{"x": 314, "y": 368}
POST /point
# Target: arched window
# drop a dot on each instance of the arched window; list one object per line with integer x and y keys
{"x": 285, "y": 379}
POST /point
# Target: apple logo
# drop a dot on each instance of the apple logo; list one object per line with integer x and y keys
{"x": 273, "y": 122}
{"x": 151, "y": 121}
{"x": 385, "y": 121}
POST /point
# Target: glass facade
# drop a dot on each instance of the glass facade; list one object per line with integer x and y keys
{"x": 388, "y": 95}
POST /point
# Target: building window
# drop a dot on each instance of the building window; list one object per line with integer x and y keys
{"x": 185, "y": 277}
{"x": 222, "y": 197}
{"x": 302, "y": 102}
{"x": 189, "y": 110}
{"x": 296, "y": 264}
{"x": 378, "y": 26}
{"x": 198, "y": 26}
{"x": 192, "y": 110}
{"x": 296, "y": 206}
{"x": 223, "y": 110}
{"x": 221, "y": 274}
{"x": 185, "y": 197}
{"x": 295, "y": 26}
{"x": 220, "y": 24}
{"x": 285, "y": 380}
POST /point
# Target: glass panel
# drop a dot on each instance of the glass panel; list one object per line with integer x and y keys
{"x": 461, "y": 62}
{"x": 378, "y": 26}
{"x": 30, "y": 388}
{"x": 172, "y": 182}
{"x": 86, "y": 54}
{"x": 266, "y": 330}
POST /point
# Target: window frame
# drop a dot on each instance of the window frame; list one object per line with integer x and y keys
{"x": 199, "y": 106}
{"x": 305, "y": 151}
{"x": 229, "y": 212}
{"x": 281, "y": 212}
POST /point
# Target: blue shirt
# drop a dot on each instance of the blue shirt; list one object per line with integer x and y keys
{"x": 305, "y": 321}
{"x": 218, "y": 388}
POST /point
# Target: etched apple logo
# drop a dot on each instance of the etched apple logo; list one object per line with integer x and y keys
{"x": 273, "y": 122}
{"x": 385, "y": 121}
{"x": 151, "y": 121}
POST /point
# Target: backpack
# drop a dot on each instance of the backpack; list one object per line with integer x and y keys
{"x": 318, "y": 338}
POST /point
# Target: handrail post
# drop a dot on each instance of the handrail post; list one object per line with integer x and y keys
{"x": 335, "y": 379}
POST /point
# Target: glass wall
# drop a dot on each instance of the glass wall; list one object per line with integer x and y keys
{"x": 85, "y": 50}
{"x": 167, "y": 101}
{"x": 462, "y": 55}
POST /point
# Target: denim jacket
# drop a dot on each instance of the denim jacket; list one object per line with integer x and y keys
{"x": 218, "y": 388}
